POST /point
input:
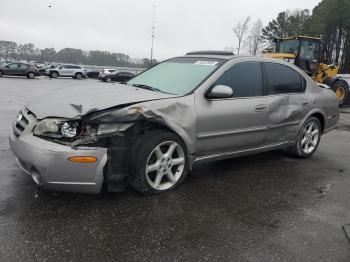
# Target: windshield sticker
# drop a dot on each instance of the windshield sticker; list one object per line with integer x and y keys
{"x": 209, "y": 63}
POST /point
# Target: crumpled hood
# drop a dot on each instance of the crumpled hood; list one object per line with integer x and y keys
{"x": 77, "y": 101}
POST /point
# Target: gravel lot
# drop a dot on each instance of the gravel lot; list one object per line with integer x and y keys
{"x": 266, "y": 207}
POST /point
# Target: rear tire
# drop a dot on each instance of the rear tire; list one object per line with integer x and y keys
{"x": 308, "y": 139}
{"x": 159, "y": 162}
{"x": 341, "y": 89}
{"x": 31, "y": 75}
{"x": 78, "y": 76}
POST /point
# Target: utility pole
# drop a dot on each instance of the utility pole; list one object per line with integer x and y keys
{"x": 153, "y": 26}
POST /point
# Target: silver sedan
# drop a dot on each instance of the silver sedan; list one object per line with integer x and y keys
{"x": 149, "y": 132}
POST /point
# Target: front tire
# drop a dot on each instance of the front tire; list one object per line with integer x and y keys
{"x": 53, "y": 74}
{"x": 1, "y": 73}
{"x": 159, "y": 163}
{"x": 308, "y": 139}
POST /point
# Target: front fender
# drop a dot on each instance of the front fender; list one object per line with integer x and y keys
{"x": 176, "y": 114}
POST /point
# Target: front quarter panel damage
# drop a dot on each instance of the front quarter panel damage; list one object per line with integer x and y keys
{"x": 176, "y": 114}
{"x": 118, "y": 129}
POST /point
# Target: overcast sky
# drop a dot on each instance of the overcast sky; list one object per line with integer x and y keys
{"x": 125, "y": 26}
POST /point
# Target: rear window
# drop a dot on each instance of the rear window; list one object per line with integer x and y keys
{"x": 281, "y": 79}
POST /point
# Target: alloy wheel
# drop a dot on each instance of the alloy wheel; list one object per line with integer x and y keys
{"x": 310, "y": 137}
{"x": 165, "y": 165}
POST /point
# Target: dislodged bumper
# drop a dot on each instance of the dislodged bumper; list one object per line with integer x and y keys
{"x": 47, "y": 162}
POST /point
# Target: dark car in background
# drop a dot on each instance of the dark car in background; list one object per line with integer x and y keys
{"x": 106, "y": 71}
{"x": 94, "y": 73}
{"x": 118, "y": 76}
{"x": 19, "y": 69}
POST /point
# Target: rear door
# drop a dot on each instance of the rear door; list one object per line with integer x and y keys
{"x": 288, "y": 102}
{"x": 22, "y": 69}
{"x": 237, "y": 123}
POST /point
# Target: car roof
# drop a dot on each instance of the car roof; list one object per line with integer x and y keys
{"x": 240, "y": 57}
{"x": 246, "y": 58}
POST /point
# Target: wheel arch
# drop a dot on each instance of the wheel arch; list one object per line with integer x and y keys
{"x": 321, "y": 118}
{"x": 175, "y": 129}
{"x": 117, "y": 168}
{"x": 320, "y": 115}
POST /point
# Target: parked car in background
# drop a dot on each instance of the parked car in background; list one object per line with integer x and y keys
{"x": 67, "y": 70}
{"x": 118, "y": 76}
{"x": 106, "y": 71}
{"x": 94, "y": 73}
{"x": 2, "y": 63}
{"x": 19, "y": 69}
{"x": 41, "y": 68}
{"x": 204, "y": 106}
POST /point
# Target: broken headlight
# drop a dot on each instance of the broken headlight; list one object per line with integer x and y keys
{"x": 58, "y": 128}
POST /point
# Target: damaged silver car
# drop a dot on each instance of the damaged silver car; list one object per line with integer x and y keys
{"x": 150, "y": 131}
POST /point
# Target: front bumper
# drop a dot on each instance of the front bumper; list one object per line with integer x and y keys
{"x": 47, "y": 162}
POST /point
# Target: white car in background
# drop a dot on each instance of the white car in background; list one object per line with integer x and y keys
{"x": 67, "y": 70}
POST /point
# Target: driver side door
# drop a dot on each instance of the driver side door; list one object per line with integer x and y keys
{"x": 237, "y": 123}
{"x": 65, "y": 70}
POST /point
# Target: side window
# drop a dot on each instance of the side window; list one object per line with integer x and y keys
{"x": 13, "y": 65}
{"x": 244, "y": 78}
{"x": 281, "y": 79}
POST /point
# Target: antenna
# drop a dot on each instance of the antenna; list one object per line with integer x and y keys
{"x": 153, "y": 27}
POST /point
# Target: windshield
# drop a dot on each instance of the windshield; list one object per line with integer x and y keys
{"x": 178, "y": 75}
{"x": 308, "y": 49}
{"x": 288, "y": 46}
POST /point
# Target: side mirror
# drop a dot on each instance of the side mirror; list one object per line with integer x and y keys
{"x": 221, "y": 91}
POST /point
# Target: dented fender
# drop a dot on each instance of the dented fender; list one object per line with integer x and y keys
{"x": 177, "y": 115}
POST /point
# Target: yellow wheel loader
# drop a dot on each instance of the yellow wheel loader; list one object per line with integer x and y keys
{"x": 303, "y": 51}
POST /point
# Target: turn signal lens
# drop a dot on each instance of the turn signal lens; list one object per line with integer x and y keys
{"x": 83, "y": 159}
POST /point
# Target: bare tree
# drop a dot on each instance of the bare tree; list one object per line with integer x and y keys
{"x": 240, "y": 31}
{"x": 254, "y": 38}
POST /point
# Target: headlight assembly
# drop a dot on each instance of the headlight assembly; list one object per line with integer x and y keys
{"x": 57, "y": 128}
{"x": 70, "y": 129}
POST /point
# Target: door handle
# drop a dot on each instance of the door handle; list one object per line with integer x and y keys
{"x": 306, "y": 103}
{"x": 260, "y": 108}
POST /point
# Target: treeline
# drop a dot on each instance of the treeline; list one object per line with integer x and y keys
{"x": 13, "y": 50}
{"x": 330, "y": 20}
